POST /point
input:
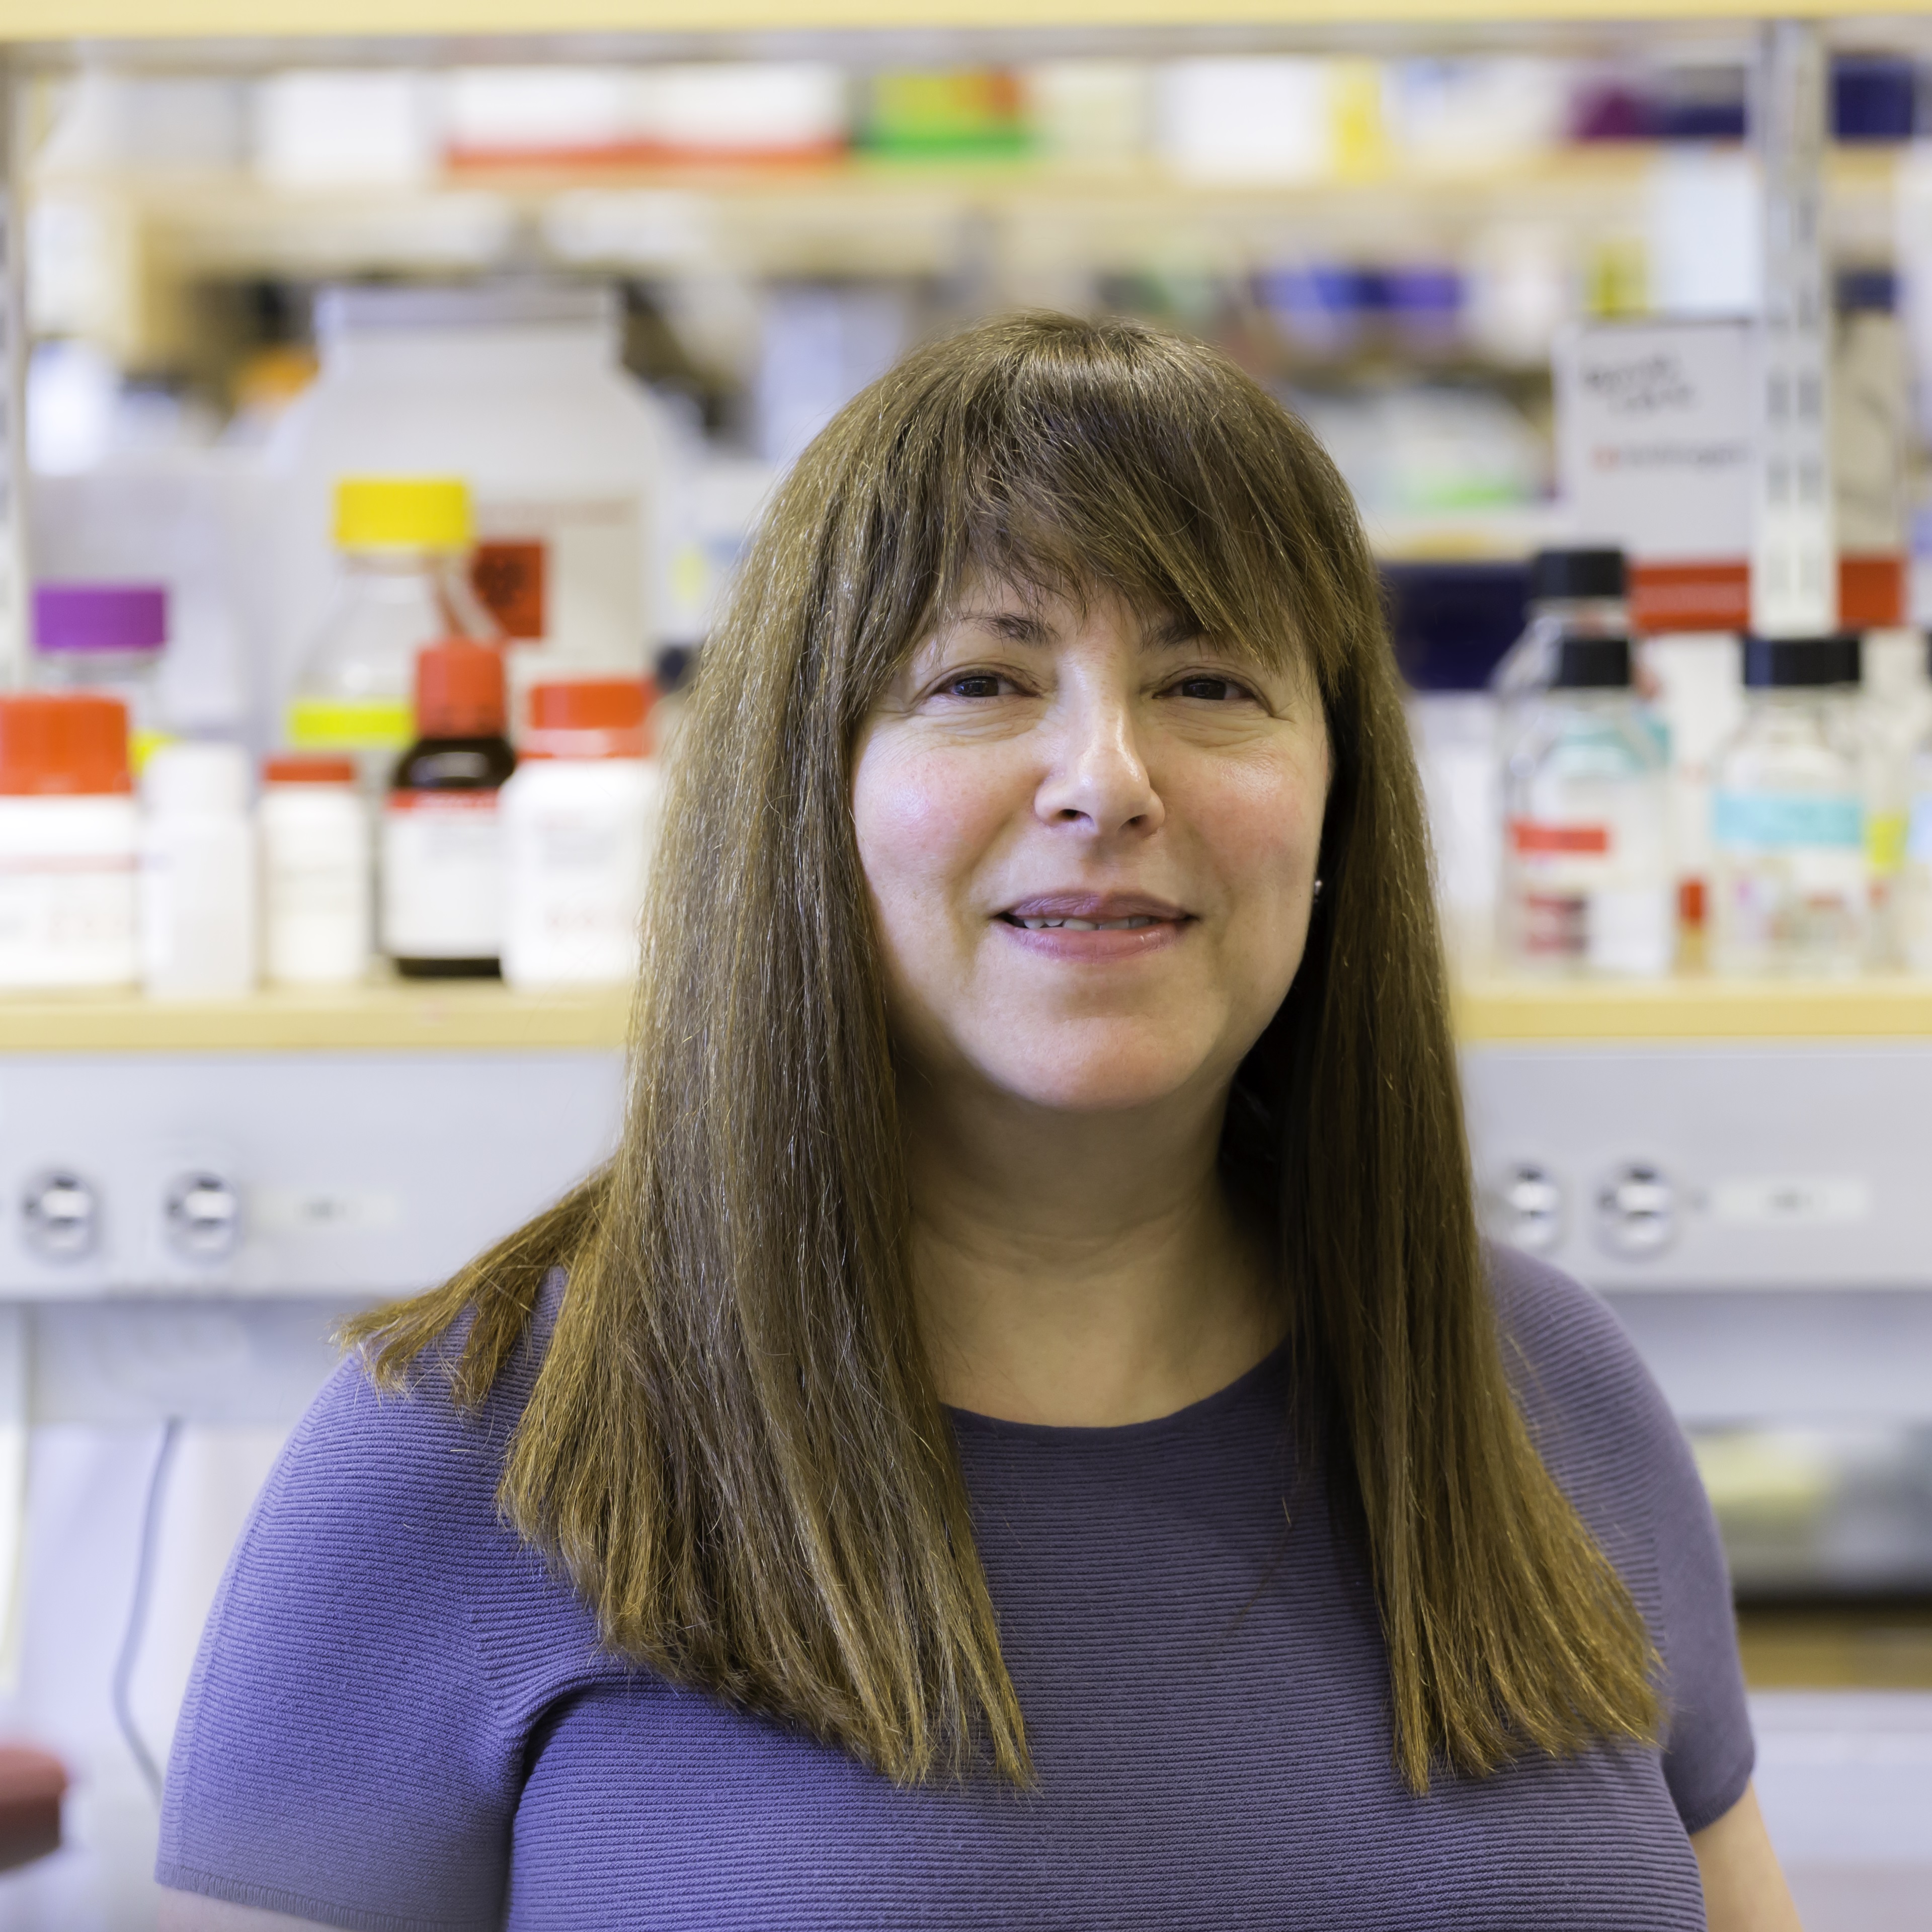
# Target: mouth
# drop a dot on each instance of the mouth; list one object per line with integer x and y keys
{"x": 1128, "y": 919}
{"x": 1135, "y": 922}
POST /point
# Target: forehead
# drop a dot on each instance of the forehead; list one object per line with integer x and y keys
{"x": 1028, "y": 611}
{"x": 1032, "y": 614}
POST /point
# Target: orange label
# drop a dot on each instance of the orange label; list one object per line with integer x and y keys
{"x": 1530, "y": 837}
{"x": 1712, "y": 596}
{"x": 441, "y": 801}
{"x": 509, "y": 576}
{"x": 1871, "y": 590}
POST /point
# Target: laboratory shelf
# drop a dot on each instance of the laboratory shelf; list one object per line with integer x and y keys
{"x": 402, "y": 1016}
{"x": 388, "y": 1016}
{"x": 1506, "y": 1010}
{"x": 69, "y": 20}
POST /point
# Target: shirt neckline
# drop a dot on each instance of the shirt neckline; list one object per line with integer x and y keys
{"x": 1273, "y": 1367}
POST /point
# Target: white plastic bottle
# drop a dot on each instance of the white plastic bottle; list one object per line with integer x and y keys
{"x": 69, "y": 833}
{"x": 1791, "y": 881}
{"x": 198, "y": 937}
{"x": 317, "y": 883}
{"x": 579, "y": 818}
{"x": 1589, "y": 885}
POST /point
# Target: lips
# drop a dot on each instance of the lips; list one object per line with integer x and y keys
{"x": 1093, "y": 929}
{"x": 1093, "y": 912}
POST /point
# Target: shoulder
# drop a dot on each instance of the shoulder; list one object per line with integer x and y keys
{"x": 1598, "y": 1419}
{"x": 380, "y": 1645}
{"x": 1583, "y": 1388}
{"x": 1608, "y": 1436}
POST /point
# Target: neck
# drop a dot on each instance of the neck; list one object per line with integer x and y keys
{"x": 1085, "y": 1269}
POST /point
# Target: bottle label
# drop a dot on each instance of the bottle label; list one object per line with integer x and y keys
{"x": 67, "y": 920}
{"x": 350, "y": 723}
{"x": 1531, "y": 838}
{"x": 442, "y": 875}
{"x": 1778, "y": 821}
{"x": 1918, "y": 834}
{"x": 1885, "y": 842}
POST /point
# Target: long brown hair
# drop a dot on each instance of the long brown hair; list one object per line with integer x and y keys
{"x": 733, "y": 1449}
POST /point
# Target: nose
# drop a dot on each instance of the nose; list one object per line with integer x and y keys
{"x": 1097, "y": 781}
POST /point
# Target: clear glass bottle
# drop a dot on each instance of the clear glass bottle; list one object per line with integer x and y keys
{"x": 1791, "y": 890}
{"x": 403, "y": 541}
{"x": 105, "y": 638}
{"x": 1573, "y": 593}
{"x": 1588, "y": 884}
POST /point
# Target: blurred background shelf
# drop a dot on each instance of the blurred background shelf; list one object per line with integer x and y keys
{"x": 395, "y": 1016}
{"x": 62, "y": 19}
{"x": 1500, "y": 1009}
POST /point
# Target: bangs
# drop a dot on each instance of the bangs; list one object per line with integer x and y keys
{"x": 1158, "y": 474}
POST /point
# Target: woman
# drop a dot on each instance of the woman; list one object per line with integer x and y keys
{"x": 1024, "y": 1431}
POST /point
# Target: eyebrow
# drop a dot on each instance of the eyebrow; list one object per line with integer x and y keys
{"x": 1165, "y": 632}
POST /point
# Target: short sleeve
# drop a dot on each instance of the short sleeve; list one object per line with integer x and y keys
{"x": 1708, "y": 1752}
{"x": 1611, "y": 1440}
{"x": 340, "y": 1757}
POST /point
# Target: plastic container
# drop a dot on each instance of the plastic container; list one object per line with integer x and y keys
{"x": 197, "y": 897}
{"x": 442, "y": 892}
{"x": 318, "y": 899}
{"x": 105, "y": 638}
{"x": 404, "y": 544}
{"x": 1790, "y": 883}
{"x": 579, "y": 819}
{"x": 1589, "y": 886}
{"x": 521, "y": 391}
{"x": 69, "y": 838}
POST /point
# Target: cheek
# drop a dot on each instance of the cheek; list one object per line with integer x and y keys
{"x": 1260, "y": 824}
{"x": 922, "y": 820}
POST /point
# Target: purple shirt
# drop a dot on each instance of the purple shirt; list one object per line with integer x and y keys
{"x": 398, "y": 1719}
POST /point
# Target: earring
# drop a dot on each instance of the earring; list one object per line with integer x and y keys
{"x": 1318, "y": 889}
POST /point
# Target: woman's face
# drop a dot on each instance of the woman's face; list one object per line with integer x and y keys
{"x": 1090, "y": 839}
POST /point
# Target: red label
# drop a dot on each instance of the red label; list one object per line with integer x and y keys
{"x": 509, "y": 576}
{"x": 1528, "y": 836}
{"x": 1871, "y": 591}
{"x": 441, "y": 801}
{"x": 1704, "y": 596}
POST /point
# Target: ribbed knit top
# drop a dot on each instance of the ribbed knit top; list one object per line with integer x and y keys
{"x": 400, "y": 1721}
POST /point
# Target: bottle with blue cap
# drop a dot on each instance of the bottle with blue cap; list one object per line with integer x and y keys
{"x": 1791, "y": 881}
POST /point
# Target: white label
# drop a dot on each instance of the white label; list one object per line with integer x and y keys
{"x": 592, "y": 594}
{"x": 1793, "y": 1201}
{"x": 575, "y": 861}
{"x": 316, "y": 896}
{"x": 323, "y": 1210}
{"x": 67, "y": 921}
{"x": 1654, "y": 423}
{"x": 442, "y": 876}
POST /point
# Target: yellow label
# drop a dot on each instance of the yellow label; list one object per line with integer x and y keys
{"x": 142, "y": 745}
{"x": 1884, "y": 840}
{"x": 350, "y": 723}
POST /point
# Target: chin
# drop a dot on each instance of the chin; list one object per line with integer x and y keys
{"x": 1094, "y": 1069}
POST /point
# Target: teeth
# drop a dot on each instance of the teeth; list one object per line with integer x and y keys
{"x": 1131, "y": 924}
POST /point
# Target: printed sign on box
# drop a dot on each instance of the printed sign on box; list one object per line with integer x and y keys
{"x": 1654, "y": 450}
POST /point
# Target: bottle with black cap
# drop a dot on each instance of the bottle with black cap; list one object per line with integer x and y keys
{"x": 1589, "y": 884}
{"x": 1580, "y": 592}
{"x": 1791, "y": 885}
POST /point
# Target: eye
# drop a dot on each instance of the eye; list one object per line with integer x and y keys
{"x": 1212, "y": 689}
{"x": 971, "y": 684}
